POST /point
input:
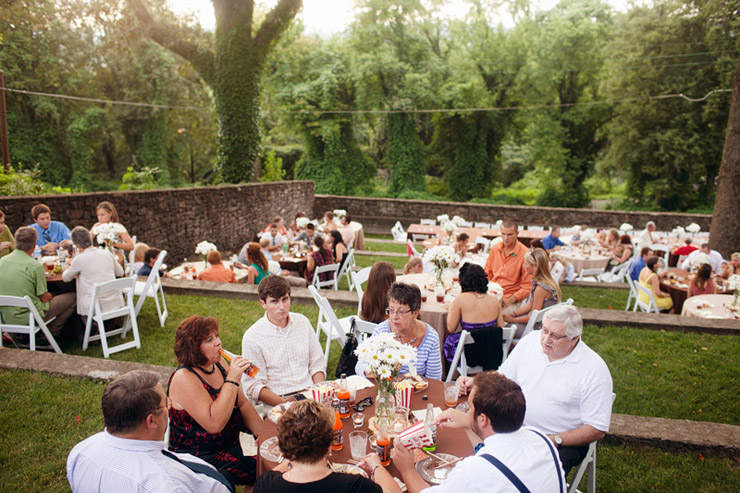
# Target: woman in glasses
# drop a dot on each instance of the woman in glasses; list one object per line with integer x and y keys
{"x": 209, "y": 410}
{"x": 404, "y": 303}
{"x": 545, "y": 290}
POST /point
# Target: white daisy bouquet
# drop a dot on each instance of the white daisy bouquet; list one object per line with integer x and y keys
{"x": 698, "y": 260}
{"x": 108, "y": 233}
{"x": 274, "y": 267}
{"x": 204, "y": 248}
{"x": 626, "y": 227}
{"x": 440, "y": 257}
{"x": 734, "y": 282}
{"x": 693, "y": 228}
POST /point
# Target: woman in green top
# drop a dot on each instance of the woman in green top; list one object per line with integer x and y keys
{"x": 258, "y": 268}
{"x": 7, "y": 242}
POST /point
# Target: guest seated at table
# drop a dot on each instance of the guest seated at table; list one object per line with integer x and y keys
{"x": 569, "y": 272}
{"x": 329, "y": 224}
{"x": 732, "y": 267}
{"x": 51, "y": 234}
{"x": 304, "y": 435}
{"x": 545, "y": 290}
{"x": 404, "y": 303}
{"x": 496, "y": 414}
{"x": 264, "y": 243}
{"x": 276, "y": 239}
{"x": 461, "y": 245}
{"x": 307, "y": 235}
{"x": 217, "y": 271}
{"x": 294, "y": 230}
{"x": 715, "y": 258}
{"x": 649, "y": 279}
{"x": 413, "y": 266}
{"x": 139, "y": 251}
{"x": 150, "y": 258}
{"x": 107, "y": 213}
{"x": 639, "y": 263}
{"x": 21, "y": 275}
{"x": 646, "y": 237}
{"x": 686, "y": 249}
{"x": 319, "y": 258}
{"x": 375, "y": 298}
{"x": 504, "y": 266}
{"x": 552, "y": 241}
{"x": 473, "y": 309}
{"x": 7, "y": 242}
{"x": 257, "y": 265}
{"x": 92, "y": 266}
{"x": 280, "y": 224}
{"x": 612, "y": 240}
{"x": 537, "y": 244}
{"x": 339, "y": 248}
{"x": 208, "y": 408}
{"x": 702, "y": 283}
{"x": 622, "y": 252}
{"x": 348, "y": 234}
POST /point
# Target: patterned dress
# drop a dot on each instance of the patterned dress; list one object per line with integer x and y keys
{"x": 321, "y": 258}
{"x": 223, "y": 449}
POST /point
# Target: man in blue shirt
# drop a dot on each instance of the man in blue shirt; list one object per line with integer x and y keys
{"x": 639, "y": 263}
{"x": 552, "y": 240}
{"x": 52, "y": 234}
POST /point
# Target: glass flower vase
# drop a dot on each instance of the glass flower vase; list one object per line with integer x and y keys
{"x": 385, "y": 407}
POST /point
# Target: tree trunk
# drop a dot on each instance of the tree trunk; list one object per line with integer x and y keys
{"x": 724, "y": 232}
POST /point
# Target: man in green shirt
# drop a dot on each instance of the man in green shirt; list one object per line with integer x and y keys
{"x": 7, "y": 243}
{"x": 21, "y": 275}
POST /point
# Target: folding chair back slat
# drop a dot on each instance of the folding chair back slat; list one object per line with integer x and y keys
{"x": 98, "y": 315}
{"x": 152, "y": 288}
{"x": 35, "y": 322}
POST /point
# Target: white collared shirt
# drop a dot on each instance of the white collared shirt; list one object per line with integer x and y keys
{"x": 104, "y": 462}
{"x": 287, "y": 356}
{"x": 94, "y": 266}
{"x": 564, "y": 394}
{"x": 525, "y": 453}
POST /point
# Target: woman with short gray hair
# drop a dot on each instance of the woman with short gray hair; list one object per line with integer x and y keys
{"x": 92, "y": 266}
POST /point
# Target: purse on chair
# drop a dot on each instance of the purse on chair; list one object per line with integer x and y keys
{"x": 348, "y": 358}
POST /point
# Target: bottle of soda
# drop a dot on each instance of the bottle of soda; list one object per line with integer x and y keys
{"x": 428, "y": 422}
{"x": 343, "y": 395}
{"x": 337, "y": 437}
{"x": 383, "y": 442}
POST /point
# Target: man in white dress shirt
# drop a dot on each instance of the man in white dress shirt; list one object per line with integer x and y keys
{"x": 283, "y": 345}
{"x": 92, "y": 266}
{"x": 130, "y": 455}
{"x": 497, "y": 409}
{"x": 646, "y": 236}
{"x": 715, "y": 258}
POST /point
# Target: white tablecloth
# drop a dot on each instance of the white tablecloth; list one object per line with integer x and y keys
{"x": 710, "y": 306}
{"x": 179, "y": 271}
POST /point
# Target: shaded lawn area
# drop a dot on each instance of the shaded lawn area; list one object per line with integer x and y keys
{"x": 39, "y": 426}
{"x": 376, "y": 246}
{"x": 369, "y": 260}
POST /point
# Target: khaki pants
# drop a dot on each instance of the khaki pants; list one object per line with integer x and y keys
{"x": 61, "y": 306}
{"x": 512, "y": 308}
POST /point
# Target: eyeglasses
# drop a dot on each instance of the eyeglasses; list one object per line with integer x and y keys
{"x": 390, "y": 312}
{"x": 366, "y": 402}
{"x": 167, "y": 404}
{"x": 555, "y": 337}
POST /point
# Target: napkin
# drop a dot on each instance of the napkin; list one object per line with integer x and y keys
{"x": 708, "y": 314}
{"x": 421, "y": 414}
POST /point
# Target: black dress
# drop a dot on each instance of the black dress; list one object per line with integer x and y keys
{"x": 222, "y": 450}
{"x": 273, "y": 482}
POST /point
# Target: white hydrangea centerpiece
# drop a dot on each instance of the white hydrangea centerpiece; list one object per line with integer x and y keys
{"x": 626, "y": 227}
{"x": 274, "y": 268}
{"x": 698, "y": 260}
{"x": 443, "y": 218}
{"x": 734, "y": 283}
{"x": 204, "y": 248}
{"x": 693, "y": 228}
{"x": 302, "y": 222}
{"x": 339, "y": 213}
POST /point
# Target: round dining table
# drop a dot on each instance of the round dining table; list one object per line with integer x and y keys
{"x": 452, "y": 441}
{"x": 713, "y": 306}
{"x": 676, "y": 283}
{"x": 179, "y": 271}
{"x": 583, "y": 260}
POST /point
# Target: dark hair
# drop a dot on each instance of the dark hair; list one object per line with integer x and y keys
{"x": 702, "y": 276}
{"x": 406, "y": 294}
{"x": 189, "y": 335}
{"x": 538, "y": 244}
{"x": 255, "y": 256}
{"x": 650, "y": 263}
{"x": 375, "y": 298}
{"x": 25, "y": 238}
{"x": 473, "y": 279}
{"x": 509, "y": 223}
{"x": 329, "y": 215}
{"x": 274, "y": 287}
{"x": 105, "y": 205}
{"x": 39, "y": 209}
{"x": 644, "y": 251}
{"x": 213, "y": 257}
{"x": 337, "y": 237}
{"x": 150, "y": 254}
{"x": 319, "y": 241}
{"x": 304, "y": 432}
{"x": 348, "y": 218}
{"x": 625, "y": 240}
{"x": 500, "y": 399}
{"x": 463, "y": 237}
{"x": 310, "y": 226}
{"x": 129, "y": 399}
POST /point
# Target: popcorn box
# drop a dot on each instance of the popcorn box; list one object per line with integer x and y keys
{"x": 323, "y": 395}
{"x": 416, "y": 436}
{"x": 404, "y": 393}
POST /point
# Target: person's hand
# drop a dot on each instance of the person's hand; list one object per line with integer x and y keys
{"x": 47, "y": 296}
{"x": 50, "y": 247}
{"x": 237, "y": 368}
{"x": 403, "y": 458}
{"x": 464, "y": 384}
{"x": 509, "y": 318}
{"x": 64, "y": 243}
{"x": 4, "y": 245}
{"x": 508, "y": 301}
{"x": 452, "y": 418}
{"x": 371, "y": 460}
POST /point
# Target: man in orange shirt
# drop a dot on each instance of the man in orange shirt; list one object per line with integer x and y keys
{"x": 505, "y": 267}
{"x": 217, "y": 272}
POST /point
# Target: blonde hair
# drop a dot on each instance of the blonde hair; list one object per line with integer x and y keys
{"x": 412, "y": 264}
{"x": 538, "y": 257}
{"x": 139, "y": 250}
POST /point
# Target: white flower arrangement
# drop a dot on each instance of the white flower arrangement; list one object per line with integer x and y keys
{"x": 385, "y": 355}
{"x": 587, "y": 236}
{"x": 626, "y": 227}
{"x": 441, "y": 256}
{"x": 678, "y": 231}
{"x": 339, "y": 213}
{"x": 499, "y": 222}
{"x": 274, "y": 267}
{"x": 449, "y": 226}
{"x": 496, "y": 240}
{"x": 108, "y": 233}
{"x": 302, "y": 222}
{"x": 693, "y": 228}
{"x": 576, "y": 228}
{"x": 458, "y": 221}
{"x": 699, "y": 259}
{"x": 443, "y": 218}
{"x": 734, "y": 282}
{"x": 204, "y": 248}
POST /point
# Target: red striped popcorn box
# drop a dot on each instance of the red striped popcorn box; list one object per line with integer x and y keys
{"x": 404, "y": 393}
{"x": 416, "y": 436}
{"x": 323, "y": 395}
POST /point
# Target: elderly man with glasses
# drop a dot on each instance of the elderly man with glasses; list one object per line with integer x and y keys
{"x": 567, "y": 386}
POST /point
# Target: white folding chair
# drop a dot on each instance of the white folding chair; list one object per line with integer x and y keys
{"x": 99, "y": 316}
{"x": 507, "y": 336}
{"x": 466, "y": 224}
{"x": 536, "y": 317}
{"x": 333, "y": 269}
{"x": 590, "y": 275}
{"x": 633, "y": 291}
{"x": 35, "y": 322}
{"x": 616, "y": 274}
{"x": 398, "y": 233}
{"x": 535, "y": 228}
{"x": 480, "y": 240}
{"x": 428, "y": 222}
{"x": 413, "y": 249}
{"x": 587, "y": 465}
{"x": 345, "y": 270}
{"x": 666, "y": 252}
{"x": 651, "y": 305}
{"x": 129, "y": 267}
{"x": 364, "y": 329}
{"x": 328, "y": 323}
{"x": 557, "y": 271}
{"x": 152, "y": 288}
{"x": 358, "y": 279}
{"x": 418, "y": 237}
{"x": 479, "y": 224}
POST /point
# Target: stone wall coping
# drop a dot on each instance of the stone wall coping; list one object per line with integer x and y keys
{"x": 671, "y": 434}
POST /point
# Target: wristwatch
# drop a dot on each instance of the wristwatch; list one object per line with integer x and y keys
{"x": 558, "y": 440}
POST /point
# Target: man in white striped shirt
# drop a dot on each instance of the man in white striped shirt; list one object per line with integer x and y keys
{"x": 283, "y": 345}
{"x": 130, "y": 456}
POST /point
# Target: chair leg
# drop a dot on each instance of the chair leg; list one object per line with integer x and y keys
{"x": 592, "y": 474}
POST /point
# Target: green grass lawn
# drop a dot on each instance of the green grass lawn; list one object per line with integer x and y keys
{"x": 39, "y": 425}
{"x": 369, "y": 260}
{"x": 603, "y": 298}
{"x": 376, "y": 246}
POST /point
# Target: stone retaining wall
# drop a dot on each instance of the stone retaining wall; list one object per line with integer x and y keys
{"x": 177, "y": 219}
{"x": 378, "y": 215}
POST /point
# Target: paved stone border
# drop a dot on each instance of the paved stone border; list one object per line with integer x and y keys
{"x": 667, "y": 434}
